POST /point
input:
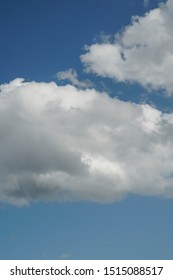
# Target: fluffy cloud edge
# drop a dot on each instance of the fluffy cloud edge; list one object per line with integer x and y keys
{"x": 142, "y": 53}
{"x": 61, "y": 143}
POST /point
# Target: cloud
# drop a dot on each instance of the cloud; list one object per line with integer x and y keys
{"x": 71, "y": 76}
{"x": 142, "y": 53}
{"x": 65, "y": 256}
{"x": 146, "y": 3}
{"x": 59, "y": 143}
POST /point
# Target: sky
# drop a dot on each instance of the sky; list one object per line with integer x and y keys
{"x": 86, "y": 129}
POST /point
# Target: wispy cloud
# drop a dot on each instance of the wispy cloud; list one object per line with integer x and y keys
{"x": 146, "y": 3}
{"x": 65, "y": 256}
{"x": 71, "y": 76}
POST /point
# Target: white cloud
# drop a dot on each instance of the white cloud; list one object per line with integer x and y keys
{"x": 71, "y": 76}
{"x": 142, "y": 53}
{"x": 62, "y": 143}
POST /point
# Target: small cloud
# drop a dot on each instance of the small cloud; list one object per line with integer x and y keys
{"x": 12, "y": 237}
{"x": 146, "y": 3}
{"x": 108, "y": 243}
{"x": 65, "y": 256}
{"x": 72, "y": 76}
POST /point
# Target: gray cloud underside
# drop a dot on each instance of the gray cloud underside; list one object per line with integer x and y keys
{"x": 60, "y": 143}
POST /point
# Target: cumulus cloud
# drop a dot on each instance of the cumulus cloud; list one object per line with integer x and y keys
{"x": 71, "y": 76}
{"x": 60, "y": 143}
{"x": 142, "y": 52}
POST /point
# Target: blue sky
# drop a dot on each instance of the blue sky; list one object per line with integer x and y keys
{"x": 135, "y": 228}
{"x": 50, "y": 35}
{"x": 86, "y": 129}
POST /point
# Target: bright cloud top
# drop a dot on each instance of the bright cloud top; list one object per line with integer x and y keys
{"x": 61, "y": 143}
{"x": 142, "y": 53}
